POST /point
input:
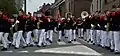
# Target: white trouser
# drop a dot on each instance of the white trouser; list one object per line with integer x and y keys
{"x": 41, "y": 36}
{"x": 14, "y": 38}
{"x": 70, "y": 35}
{"x": 91, "y": 35}
{"x": 29, "y": 39}
{"x": 98, "y": 35}
{"x": 59, "y": 34}
{"x": 66, "y": 33}
{"x": 94, "y": 36}
{"x": 79, "y": 34}
{"x": 85, "y": 35}
{"x": 74, "y": 34}
{"x": 44, "y": 38}
{"x": 6, "y": 38}
{"x": 20, "y": 37}
{"x": 116, "y": 40}
{"x": 103, "y": 38}
{"x": 107, "y": 43}
{"x": 50, "y": 35}
{"x": 3, "y": 40}
{"x": 88, "y": 34}
{"x": 35, "y": 33}
{"x": 111, "y": 40}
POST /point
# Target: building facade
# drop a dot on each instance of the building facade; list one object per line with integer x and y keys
{"x": 73, "y": 6}
{"x": 103, "y": 5}
{"x": 19, "y": 4}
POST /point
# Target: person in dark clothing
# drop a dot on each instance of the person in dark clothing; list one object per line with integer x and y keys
{"x": 21, "y": 27}
{"x": 29, "y": 29}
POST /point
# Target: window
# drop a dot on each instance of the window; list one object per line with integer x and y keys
{"x": 92, "y": 7}
{"x": 105, "y": 1}
{"x": 100, "y": 5}
{"x": 108, "y": 1}
{"x": 97, "y": 5}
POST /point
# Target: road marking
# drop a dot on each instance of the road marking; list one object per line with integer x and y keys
{"x": 22, "y": 52}
{"x": 8, "y": 51}
{"x": 78, "y": 49}
{"x": 61, "y": 43}
{"x": 1, "y": 44}
{"x": 76, "y": 42}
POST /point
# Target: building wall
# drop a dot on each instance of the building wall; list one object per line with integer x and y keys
{"x": 103, "y": 5}
{"x": 80, "y": 5}
{"x": 19, "y": 3}
{"x": 75, "y": 7}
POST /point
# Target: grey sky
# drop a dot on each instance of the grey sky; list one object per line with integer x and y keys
{"x": 33, "y": 5}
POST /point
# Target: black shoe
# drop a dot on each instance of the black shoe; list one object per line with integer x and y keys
{"x": 117, "y": 52}
{"x": 66, "y": 37}
{"x": 4, "y": 49}
{"x": 88, "y": 41}
{"x": 10, "y": 45}
{"x": 16, "y": 48}
{"x": 50, "y": 41}
{"x": 24, "y": 46}
{"x": 31, "y": 45}
{"x": 112, "y": 50}
{"x": 74, "y": 39}
{"x": 59, "y": 40}
{"x": 44, "y": 45}
{"x": 99, "y": 45}
{"x": 38, "y": 46}
{"x": 36, "y": 42}
{"x": 69, "y": 42}
{"x": 13, "y": 45}
{"x": 47, "y": 39}
{"x": 82, "y": 37}
{"x": 93, "y": 43}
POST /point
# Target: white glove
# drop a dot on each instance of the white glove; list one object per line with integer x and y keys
{"x": 105, "y": 26}
{"x": 12, "y": 25}
{"x": 17, "y": 21}
{"x": 92, "y": 25}
{"x": 98, "y": 25}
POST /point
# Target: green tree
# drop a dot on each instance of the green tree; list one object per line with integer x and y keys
{"x": 8, "y": 6}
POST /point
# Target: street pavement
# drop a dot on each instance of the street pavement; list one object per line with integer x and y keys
{"x": 76, "y": 48}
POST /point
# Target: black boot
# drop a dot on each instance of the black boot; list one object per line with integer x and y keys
{"x": 4, "y": 49}
{"x": 69, "y": 42}
{"x": 74, "y": 39}
{"x": 16, "y": 48}
{"x": 59, "y": 40}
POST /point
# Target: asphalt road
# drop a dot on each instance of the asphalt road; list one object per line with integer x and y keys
{"x": 76, "y": 48}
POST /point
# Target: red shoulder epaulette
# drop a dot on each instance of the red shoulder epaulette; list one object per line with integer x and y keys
{"x": 4, "y": 17}
{"x": 118, "y": 12}
{"x": 32, "y": 18}
{"x": 101, "y": 17}
{"x": 9, "y": 20}
{"x": 23, "y": 17}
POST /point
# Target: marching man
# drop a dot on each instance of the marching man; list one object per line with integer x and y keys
{"x": 21, "y": 27}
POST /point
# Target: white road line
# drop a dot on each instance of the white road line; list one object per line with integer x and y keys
{"x": 76, "y": 42}
{"x": 1, "y": 44}
{"x": 8, "y": 51}
{"x": 79, "y": 49}
{"x": 22, "y": 52}
{"x": 61, "y": 43}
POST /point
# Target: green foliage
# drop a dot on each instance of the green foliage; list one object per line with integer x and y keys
{"x": 8, "y": 6}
